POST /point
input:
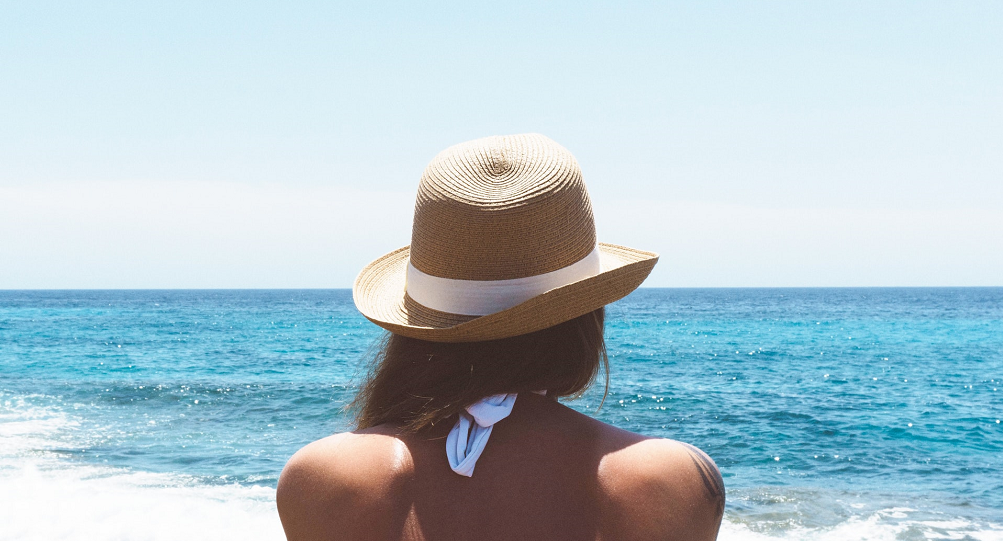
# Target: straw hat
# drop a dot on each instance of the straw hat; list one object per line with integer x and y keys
{"x": 503, "y": 244}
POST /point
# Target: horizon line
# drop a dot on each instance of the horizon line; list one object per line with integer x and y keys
{"x": 5, "y": 290}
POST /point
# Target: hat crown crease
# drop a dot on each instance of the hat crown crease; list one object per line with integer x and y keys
{"x": 501, "y": 208}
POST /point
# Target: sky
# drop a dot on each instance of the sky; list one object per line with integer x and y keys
{"x": 279, "y": 144}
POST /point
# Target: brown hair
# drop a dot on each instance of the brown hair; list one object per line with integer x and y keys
{"x": 416, "y": 383}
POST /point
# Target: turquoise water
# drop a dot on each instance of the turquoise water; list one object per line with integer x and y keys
{"x": 833, "y": 413}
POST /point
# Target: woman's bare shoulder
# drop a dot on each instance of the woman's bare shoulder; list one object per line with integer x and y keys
{"x": 660, "y": 489}
{"x": 339, "y": 482}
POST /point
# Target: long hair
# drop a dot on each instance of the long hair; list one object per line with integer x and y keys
{"x": 415, "y": 383}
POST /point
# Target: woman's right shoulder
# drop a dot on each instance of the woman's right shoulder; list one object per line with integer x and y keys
{"x": 349, "y": 457}
{"x": 334, "y": 483}
{"x": 656, "y": 488}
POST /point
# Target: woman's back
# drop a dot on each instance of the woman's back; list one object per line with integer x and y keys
{"x": 548, "y": 473}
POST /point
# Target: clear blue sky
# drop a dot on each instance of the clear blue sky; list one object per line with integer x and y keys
{"x": 254, "y": 144}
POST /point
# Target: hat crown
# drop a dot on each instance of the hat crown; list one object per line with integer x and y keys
{"x": 501, "y": 208}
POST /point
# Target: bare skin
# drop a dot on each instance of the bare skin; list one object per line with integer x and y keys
{"x": 548, "y": 472}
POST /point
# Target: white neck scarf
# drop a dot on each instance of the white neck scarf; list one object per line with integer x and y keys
{"x": 469, "y": 436}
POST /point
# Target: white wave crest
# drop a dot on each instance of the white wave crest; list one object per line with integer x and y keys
{"x": 892, "y": 524}
{"x": 46, "y": 497}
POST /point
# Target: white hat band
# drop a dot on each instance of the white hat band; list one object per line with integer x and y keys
{"x": 484, "y": 297}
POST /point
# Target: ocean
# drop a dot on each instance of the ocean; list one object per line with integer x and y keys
{"x": 834, "y": 414}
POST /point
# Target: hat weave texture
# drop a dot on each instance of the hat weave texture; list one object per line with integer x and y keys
{"x": 505, "y": 208}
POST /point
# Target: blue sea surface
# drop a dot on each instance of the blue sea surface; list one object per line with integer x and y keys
{"x": 832, "y": 413}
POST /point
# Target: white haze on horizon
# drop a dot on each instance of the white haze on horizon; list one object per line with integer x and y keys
{"x": 155, "y": 234}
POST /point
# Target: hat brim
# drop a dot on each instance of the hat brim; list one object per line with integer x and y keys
{"x": 379, "y": 293}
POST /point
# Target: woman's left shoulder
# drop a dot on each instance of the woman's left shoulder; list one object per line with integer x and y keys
{"x": 334, "y": 483}
{"x": 651, "y": 475}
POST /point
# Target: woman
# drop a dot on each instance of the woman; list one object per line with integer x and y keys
{"x": 495, "y": 311}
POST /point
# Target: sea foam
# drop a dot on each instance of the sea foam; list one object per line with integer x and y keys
{"x": 885, "y": 525}
{"x": 47, "y": 496}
